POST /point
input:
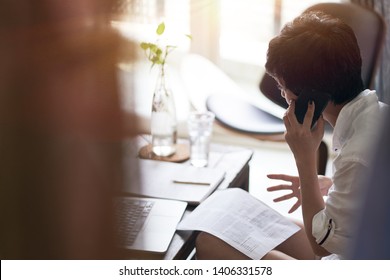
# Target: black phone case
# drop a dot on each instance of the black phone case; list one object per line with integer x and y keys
{"x": 320, "y": 100}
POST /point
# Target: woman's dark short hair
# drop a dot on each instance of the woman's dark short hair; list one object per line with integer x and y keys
{"x": 317, "y": 51}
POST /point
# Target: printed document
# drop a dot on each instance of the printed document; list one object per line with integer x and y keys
{"x": 242, "y": 221}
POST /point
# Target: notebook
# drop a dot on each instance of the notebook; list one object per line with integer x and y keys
{"x": 175, "y": 181}
{"x": 146, "y": 224}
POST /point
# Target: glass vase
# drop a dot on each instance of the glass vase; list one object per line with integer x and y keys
{"x": 163, "y": 119}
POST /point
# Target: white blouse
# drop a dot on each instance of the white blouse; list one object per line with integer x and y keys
{"x": 355, "y": 130}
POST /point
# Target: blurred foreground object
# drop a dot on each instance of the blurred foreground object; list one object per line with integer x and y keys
{"x": 60, "y": 126}
{"x": 373, "y": 225}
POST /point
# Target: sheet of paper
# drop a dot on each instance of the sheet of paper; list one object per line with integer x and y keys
{"x": 242, "y": 221}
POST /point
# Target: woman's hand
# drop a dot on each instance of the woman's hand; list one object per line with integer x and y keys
{"x": 301, "y": 138}
{"x": 294, "y": 185}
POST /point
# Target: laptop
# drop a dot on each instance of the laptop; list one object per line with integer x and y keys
{"x": 146, "y": 224}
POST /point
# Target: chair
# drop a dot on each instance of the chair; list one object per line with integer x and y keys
{"x": 369, "y": 28}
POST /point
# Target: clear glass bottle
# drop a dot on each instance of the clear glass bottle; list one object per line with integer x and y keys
{"x": 163, "y": 119}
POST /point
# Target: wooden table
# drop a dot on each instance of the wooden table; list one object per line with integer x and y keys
{"x": 234, "y": 160}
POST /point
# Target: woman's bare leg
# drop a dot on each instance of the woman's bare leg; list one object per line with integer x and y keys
{"x": 209, "y": 247}
{"x": 297, "y": 246}
{"x": 212, "y": 248}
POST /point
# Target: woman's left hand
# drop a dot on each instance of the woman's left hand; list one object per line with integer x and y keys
{"x": 293, "y": 184}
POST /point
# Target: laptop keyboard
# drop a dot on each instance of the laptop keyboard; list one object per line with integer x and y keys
{"x": 130, "y": 217}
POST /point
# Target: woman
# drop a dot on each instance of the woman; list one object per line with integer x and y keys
{"x": 317, "y": 52}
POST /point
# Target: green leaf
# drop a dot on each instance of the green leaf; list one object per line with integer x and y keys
{"x": 168, "y": 49}
{"x": 158, "y": 54}
{"x": 156, "y": 60}
{"x": 144, "y": 45}
{"x": 153, "y": 47}
{"x": 155, "y": 50}
{"x": 160, "y": 29}
{"x": 189, "y": 36}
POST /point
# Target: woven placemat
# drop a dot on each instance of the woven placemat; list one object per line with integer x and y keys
{"x": 182, "y": 153}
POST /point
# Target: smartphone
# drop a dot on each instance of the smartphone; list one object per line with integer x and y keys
{"x": 320, "y": 100}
